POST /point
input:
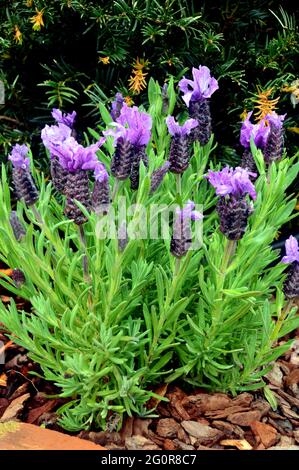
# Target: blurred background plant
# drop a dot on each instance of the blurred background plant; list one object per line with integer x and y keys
{"x": 77, "y": 53}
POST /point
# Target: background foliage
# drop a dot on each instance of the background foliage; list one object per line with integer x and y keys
{"x": 79, "y": 52}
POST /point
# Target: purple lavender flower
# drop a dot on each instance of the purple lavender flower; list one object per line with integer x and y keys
{"x": 76, "y": 161}
{"x": 196, "y": 96}
{"x": 292, "y": 251}
{"x": 177, "y": 130}
{"x": 258, "y": 132}
{"x": 274, "y": 148}
{"x": 179, "y": 154}
{"x": 100, "y": 198}
{"x": 22, "y": 179}
{"x": 291, "y": 283}
{"x": 73, "y": 156}
{"x": 19, "y": 157}
{"x": 158, "y": 176}
{"x": 132, "y": 125}
{"x": 201, "y": 87}
{"x": 131, "y": 132}
{"x": 64, "y": 118}
{"x": 232, "y": 185}
{"x": 17, "y": 226}
{"x": 182, "y": 236}
{"x": 116, "y": 106}
{"x": 18, "y": 278}
{"x": 234, "y": 181}
{"x": 53, "y": 137}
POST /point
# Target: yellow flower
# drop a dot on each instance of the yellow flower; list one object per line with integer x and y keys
{"x": 129, "y": 101}
{"x": 263, "y": 104}
{"x": 243, "y": 115}
{"x": 104, "y": 60}
{"x": 137, "y": 81}
{"x": 37, "y": 20}
{"x": 18, "y": 36}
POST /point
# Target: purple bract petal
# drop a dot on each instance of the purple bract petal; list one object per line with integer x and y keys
{"x": 259, "y": 132}
{"x": 53, "y": 136}
{"x": 175, "y": 129}
{"x": 18, "y": 156}
{"x": 132, "y": 125}
{"x": 232, "y": 181}
{"x": 64, "y": 118}
{"x": 275, "y": 120}
{"x": 292, "y": 250}
{"x": 201, "y": 87}
{"x": 189, "y": 212}
{"x": 73, "y": 156}
{"x": 100, "y": 172}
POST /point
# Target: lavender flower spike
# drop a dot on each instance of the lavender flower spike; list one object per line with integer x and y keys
{"x": 131, "y": 132}
{"x": 17, "y": 226}
{"x": 22, "y": 179}
{"x": 259, "y": 133}
{"x": 274, "y": 147}
{"x": 182, "y": 236}
{"x": 179, "y": 154}
{"x": 77, "y": 160}
{"x": 101, "y": 192}
{"x": 64, "y": 118}
{"x": 116, "y": 106}
{"x": 291, "y": 284}
{"x": 158, "y": 176}
{"x": 201, "y": 87}
{"x": 196, "y": 96}
{"x": 53, "y": 137}
{"x": 233, "y": 185}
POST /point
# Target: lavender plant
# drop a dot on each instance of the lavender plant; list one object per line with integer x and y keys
{"x": 117, "y": 307}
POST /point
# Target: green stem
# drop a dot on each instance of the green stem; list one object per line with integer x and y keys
{"x": 85, "y": 259}
{"x": 281, "y": 319}
{"x": 178, "y": 179}
{"x": 40, "y": 221}
{"x": 227, "y": 256}
{"x": 115, "y": 189}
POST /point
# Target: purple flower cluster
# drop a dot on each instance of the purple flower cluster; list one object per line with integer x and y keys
{"x": 131, "y": 132}
{"x": 233, "y": 185}
{"x": 258, "y": 132}
{"x": 116, "y": 106}
{"x": 64, "y": 118}
{"x": 24, "y": 185}
{"x": 233, "y": 181}
{"x": 182, "y": 236}
{"x": 179, "y": 154}
{"x": 196, "y": 96}
{"x": 291, "y": 284}
{"x": 19, "y": 156}
{"x": 201, "y": 87}
{"x": 267, "y": 135}
{"x": 73, "y": 156}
